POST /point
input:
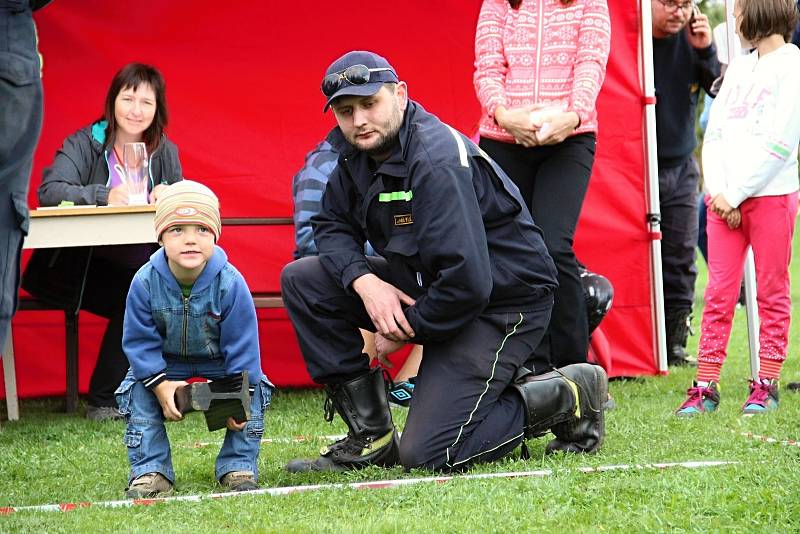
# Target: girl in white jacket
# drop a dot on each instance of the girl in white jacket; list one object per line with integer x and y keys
{"x": 751, "y": 181}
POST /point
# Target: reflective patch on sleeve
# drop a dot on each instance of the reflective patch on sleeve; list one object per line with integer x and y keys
{"x": 462, "y": 148}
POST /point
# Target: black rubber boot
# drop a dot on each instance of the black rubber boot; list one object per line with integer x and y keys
{"x": 584, "y": 432}
{"x": 677, "y": 325}
{"x": 371, "y": 439}
{"x": 568, "y": 401}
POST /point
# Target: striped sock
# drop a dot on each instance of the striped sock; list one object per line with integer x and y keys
{"x": 769, "y": 368}
{"x": 708, "y": 371}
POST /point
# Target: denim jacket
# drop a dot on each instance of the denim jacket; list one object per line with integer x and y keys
{"x": 217, "y": 320}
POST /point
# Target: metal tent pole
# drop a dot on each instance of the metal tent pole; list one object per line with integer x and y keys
{"x": 651, "y": 190}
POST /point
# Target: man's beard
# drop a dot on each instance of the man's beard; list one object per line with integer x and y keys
{"x": 385, "y": 144}
{"x": 386, "y": 141}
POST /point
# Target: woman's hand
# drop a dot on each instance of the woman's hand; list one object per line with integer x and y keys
{"x": 557, "y": 126}
{"x": 517, "y": 122}
{"x": 118, "y": 196}
{"x": 156, "y": 192}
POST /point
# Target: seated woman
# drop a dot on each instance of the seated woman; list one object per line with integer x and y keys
{"x": 88, "y": 169}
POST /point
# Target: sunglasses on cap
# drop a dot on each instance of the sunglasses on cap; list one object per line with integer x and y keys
{"x": 354, "y": 75}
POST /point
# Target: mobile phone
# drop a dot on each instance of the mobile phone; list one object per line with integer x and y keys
{"x": 695, "y": 13}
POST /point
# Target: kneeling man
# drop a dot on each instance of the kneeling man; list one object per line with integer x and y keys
{"x": 464, "y": 271}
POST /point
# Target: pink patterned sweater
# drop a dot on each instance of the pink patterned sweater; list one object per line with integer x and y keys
{"x": 543, "y": 52}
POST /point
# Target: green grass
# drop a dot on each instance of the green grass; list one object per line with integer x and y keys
{"x": 49, "y": 457}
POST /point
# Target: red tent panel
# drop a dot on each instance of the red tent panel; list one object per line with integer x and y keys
{"x": 245, "y": 107}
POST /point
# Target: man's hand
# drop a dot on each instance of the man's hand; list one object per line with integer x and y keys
{"x": 698, "y": 31}
{"x": 384, "y": 302}
{"x": 384, "y": 347}
{"x": 118, "y": 196}
{"x": 165, "y": 393}
{"x": 517, "y": 122}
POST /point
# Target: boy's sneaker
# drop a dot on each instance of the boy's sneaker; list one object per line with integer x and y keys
{"x": 103, "y": 413}
{"x": 239, "y": 481}
{"x": 763, "y": 397}
{"x": 702, "y": 399}
{"x": 149, "y": 485}
{"x": 400, "y": 394}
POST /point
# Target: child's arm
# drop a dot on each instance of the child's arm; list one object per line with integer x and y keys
{"x": 239, "y": 332}
{"x": 141, "y": 340}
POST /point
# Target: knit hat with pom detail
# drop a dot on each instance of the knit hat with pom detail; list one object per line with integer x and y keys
{"x": 187, "y": 202}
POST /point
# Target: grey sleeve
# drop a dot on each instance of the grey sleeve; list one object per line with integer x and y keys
{"x": 171, "y": 170}
{"x": 68, "y": 177}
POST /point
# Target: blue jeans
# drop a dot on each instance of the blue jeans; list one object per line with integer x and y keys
{"x": 146, "y": 435}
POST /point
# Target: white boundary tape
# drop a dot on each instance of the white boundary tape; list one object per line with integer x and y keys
{"x": 374, "y": 484}
{"x": 767, "y": 439}
{"x": 295, "y": 439}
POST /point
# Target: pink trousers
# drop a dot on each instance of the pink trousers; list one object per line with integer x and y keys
{"x": 767, "y": 226}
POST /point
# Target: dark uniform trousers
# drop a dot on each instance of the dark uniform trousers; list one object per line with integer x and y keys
{"x": 20, "y": 124}
{"x": 677, "y": 189}
{"x": 463, "y": 410}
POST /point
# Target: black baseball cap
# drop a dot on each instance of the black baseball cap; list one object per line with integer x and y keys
{"x": 380, "y": 72}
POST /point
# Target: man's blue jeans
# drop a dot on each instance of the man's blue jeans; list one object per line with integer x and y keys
{"x": 146, "y": 435}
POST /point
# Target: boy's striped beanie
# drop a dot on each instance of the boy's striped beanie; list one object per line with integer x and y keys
{"x": 187, "y": 202}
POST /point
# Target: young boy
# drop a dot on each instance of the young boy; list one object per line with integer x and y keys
{"x": 189, "y": 313}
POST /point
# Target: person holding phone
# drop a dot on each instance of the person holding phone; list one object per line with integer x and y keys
{"x": 684, "y": 60}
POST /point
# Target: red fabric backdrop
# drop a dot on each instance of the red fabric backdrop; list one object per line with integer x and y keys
{"x": 245, "y": 107}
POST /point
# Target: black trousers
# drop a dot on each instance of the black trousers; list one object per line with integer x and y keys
{"x": 677, "y": 189}
{"x": 107, "y": 299}
{"x": 463, "y": 410}
{"x": 553, "y": 180}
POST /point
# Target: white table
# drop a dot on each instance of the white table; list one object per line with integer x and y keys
{"x": 83, "y": 226}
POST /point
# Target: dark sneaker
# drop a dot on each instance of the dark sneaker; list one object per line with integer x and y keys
{"x": 700, "y": 400}
{"x": 763, "y": 397}
{"x": 149, "y": 485}
{"x": 103, "y": 413}
{"x": 401, "y": 393}
{"x": 239, "y": 481}
{"x": 678, "y": 326}
{"x": 679, "y": 358}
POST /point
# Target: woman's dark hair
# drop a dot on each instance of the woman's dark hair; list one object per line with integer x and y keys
{"x": 762, "y": 18}
{"x": 131, "y": 76}
{"x": 516, "y": 3}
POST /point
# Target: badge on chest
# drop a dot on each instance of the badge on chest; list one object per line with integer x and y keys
{"x": 403, "y": 219}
